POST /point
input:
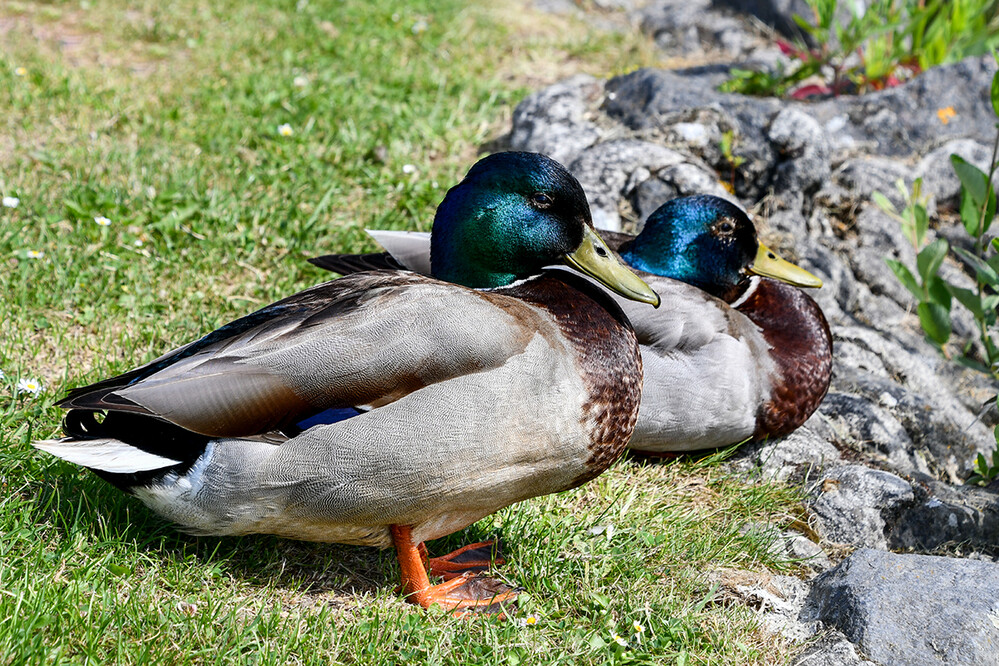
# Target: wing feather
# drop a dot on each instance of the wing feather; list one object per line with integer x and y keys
{"x": 366, "y": 339}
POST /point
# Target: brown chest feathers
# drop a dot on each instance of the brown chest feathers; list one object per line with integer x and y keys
{"x": 608, "y": 357}
{"x": 797, "y": 331}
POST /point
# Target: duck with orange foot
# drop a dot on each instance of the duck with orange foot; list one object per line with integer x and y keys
{"x": 388, "y": 408}
{"x": 738, "y": 350}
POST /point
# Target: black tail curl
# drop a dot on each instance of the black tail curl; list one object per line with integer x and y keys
{"x": 346, "y": 264}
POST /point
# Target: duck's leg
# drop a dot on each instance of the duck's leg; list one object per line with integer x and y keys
{"x": 465, "y": 591}
{"x": 473, "y": 558}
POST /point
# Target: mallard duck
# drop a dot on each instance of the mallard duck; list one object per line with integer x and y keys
{"x": 735, "y": 353}
{"x": 389, "y": 408}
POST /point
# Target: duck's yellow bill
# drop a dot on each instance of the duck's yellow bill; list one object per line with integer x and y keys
{"x": 595, "y": 259}
{"x": 768, "y": 264}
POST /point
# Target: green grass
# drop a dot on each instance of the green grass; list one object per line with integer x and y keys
{"x": 164, "y": 119}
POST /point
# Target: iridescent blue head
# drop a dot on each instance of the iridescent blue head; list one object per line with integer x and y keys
{"x": 708, "y": 242}
{"x": 515, "y": 213}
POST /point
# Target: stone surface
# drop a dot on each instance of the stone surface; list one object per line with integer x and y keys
{"x": 556, "y": 120}
{"x": 803, "y": 453}
{"x": 854, "y": 504}
{"x": 944, "y": 516}
{"x": 911, "y": 609}
{"x": 831, "y": 649}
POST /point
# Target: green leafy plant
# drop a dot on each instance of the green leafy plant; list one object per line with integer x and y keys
{"x": 934, "y": 294}
{"x": 727, "y": 147}
{"x": 876, "y": 48}
{"x": 986, "y": 472}
{"x": 931, "y": 291}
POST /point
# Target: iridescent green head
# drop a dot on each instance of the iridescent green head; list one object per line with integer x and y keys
{"x": 708, "y": 242}
{"x": 515, "y": 213}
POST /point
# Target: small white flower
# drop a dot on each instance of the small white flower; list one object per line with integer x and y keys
{"x": 31, "y": 386}
{"x": 102, "y": 221}
{"x": 620, "y": 641}
{"x": 34, "y": 254}
{"x": 137, "y": 242}
{"x": 301, "y": 81}
{"x": 285, "y": 130}
{"x": 529, "y": 621}
{"x": 638, "y": 628}
{"x": 21, "y": 71}
{"x": 2, "y": 375}
{"x": 11, "y": 202}
{"x": 419, "y": 27}
{"x": 409, "y": 168}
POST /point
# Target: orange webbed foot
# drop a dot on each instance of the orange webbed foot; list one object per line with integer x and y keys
{"x": 464, "y": 592}
{"x": 473, "y": 558}
{"x": 467, "y": 593}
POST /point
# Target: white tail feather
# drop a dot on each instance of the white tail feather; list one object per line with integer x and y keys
{"x": 107, "y": 455}
{"x": 409, "y": 248}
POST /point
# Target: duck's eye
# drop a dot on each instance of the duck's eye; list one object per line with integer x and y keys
{"x": 726, "y": 227}
{"x": 542, "y": 200}
{"x": 601, "y": 252}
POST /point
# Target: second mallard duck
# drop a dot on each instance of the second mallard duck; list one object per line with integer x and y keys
{"x": 735, "y": 352}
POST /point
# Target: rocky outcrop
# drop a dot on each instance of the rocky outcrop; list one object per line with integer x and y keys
{"x": 911, "y": 609}
{"x": 883, "y": 459}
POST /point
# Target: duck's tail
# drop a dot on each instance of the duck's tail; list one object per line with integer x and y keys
{"x": 105, "y": 454}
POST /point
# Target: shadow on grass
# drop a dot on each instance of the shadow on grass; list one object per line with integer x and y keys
{"x": 77, "y": 503}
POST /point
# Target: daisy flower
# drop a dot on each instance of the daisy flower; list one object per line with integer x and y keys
{"x": 31, "y": 386}
{"x": 34, "y": 254}
{"x": 102, "y": 221}
{"x": 21, "y": 71}
{"x": 11, "y": 202}
{"x": 285, "y": 130}
{"x": 620, "y": 641}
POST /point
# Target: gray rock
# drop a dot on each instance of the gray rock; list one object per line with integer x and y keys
{"x": 802, "y": 149}
{"x": 911, "y": 609}
{"x": 651, "y": 100}
{"x": 679, "y": 180}
{"x": 831, "y": 649}
{"x": 606, "y": 172}
{"x": 945, "y": 516}
{"x": 692, "y": 26}
{"x": 808, "y": 174}
{"x": 851, "y": 504}
{"x": 939, "y": 179}
{"x": 557, "y": 120}
{"x": 802, "y": 550}
{"x": 903, "y": 121}
{"x": 778, "y": 14}
{"x": 863, "y": 425}
{"x": 777, "y": 600}
{"x": 863, "y": 175}
{"x": 838, "y": 295}
{"x": 801, "y": 454}
{"x": 941, "y": 438}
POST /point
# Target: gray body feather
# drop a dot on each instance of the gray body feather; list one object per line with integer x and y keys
{"x": 477, "y": 402}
